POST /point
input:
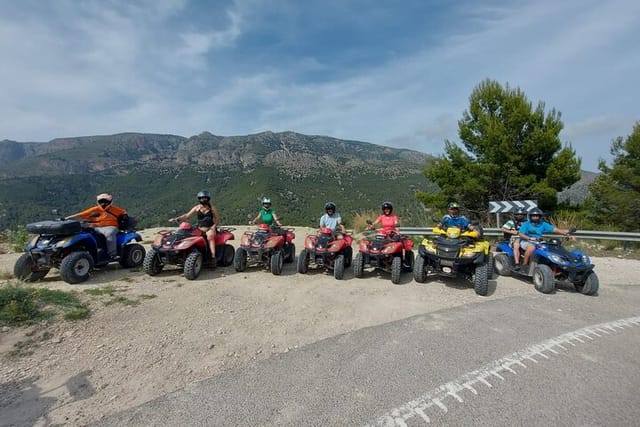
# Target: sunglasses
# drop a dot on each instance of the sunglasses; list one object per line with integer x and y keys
{"x": 202, "y": 198}
{"x": 104, "y": 202}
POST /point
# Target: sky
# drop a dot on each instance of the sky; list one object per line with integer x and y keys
{"x": 395, "y": 73}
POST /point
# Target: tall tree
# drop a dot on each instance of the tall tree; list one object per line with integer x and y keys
{"x": 615, "y": 193}
{"x": 511, "y": 151}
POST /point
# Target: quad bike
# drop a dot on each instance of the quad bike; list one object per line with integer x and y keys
{"x": 323, "y": 251}
{"x": 455, "y": 253}
{"x": 75, "y": 248}
{"x": 187, "y": 247}
{"x": 269, "y": 247}
{"x": 550, "y": 262}
{"x": 384, "y": 250}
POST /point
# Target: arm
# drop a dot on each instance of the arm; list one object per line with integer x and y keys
{"x": 214, "y": 211}
{"x": 185, "y": 216}
{"x": 82, "y": 214}
{"x": 276, "y": 220}
{"x": 565, "y": 233}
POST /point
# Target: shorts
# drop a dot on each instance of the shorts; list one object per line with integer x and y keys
{"x": 524, "y": 244}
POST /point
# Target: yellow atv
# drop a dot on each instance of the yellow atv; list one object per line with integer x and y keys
{"x": 455, "y": 253}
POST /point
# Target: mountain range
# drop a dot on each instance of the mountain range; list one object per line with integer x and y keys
{"x": 154, "y": 176}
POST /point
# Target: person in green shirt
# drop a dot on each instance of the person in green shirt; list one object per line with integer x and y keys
{"x": 266, "y": 215}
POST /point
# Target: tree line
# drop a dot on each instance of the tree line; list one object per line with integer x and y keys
{"x": 511, "y": 150}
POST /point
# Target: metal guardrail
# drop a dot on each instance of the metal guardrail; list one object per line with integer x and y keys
{"x": 497, "y": 232}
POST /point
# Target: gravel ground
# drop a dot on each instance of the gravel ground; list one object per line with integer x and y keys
{"x": 184, "y": 331}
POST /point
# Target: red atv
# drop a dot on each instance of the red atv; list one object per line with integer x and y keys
{"x": 269, "y": 247}
{"x": 187, "y": 247}
{"x": 386, "y": 251}
{"x": 323, "y": 251}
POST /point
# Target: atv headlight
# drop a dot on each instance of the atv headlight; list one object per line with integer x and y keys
{"x": 586, "y": 259}
{"x": 430, "y": 249}
{"x": 558, "y": 259}
{"x": 468, "y": 254}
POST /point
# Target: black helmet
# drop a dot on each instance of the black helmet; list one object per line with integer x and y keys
{"x": 387, "y": 205}
{"x": 330, "y": 205}
{"x": 535, "y": 212}
{"x": 204, "y": 193}
{"x": 520, "y": 211}
{"x": 453, "y": 205}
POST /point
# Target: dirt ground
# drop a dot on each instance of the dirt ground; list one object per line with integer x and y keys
{"x": 184, "y": 331}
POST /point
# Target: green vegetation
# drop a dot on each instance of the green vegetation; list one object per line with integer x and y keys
{"x": 26, "y": 305}
{"x": 115, "y": 296}
{"x": 615, "y": 194}
{"x": 511, "y": 151}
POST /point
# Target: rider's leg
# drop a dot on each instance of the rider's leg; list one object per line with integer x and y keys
{"x": 528, "y": 252}
{"x": 211, "y": 238}
{"x": 110, "y": 234}
{"x": 516, "y": 251}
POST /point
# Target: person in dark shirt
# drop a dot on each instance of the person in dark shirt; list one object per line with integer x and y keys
{"x": 207, "y": 218}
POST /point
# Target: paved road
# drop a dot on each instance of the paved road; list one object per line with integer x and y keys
{"x": 536, "y": 360}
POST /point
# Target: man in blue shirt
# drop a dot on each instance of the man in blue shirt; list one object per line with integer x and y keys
{"x": 454, "y": 219}
{"x": 532, "y": 231}
{"x": 332, "y": 219}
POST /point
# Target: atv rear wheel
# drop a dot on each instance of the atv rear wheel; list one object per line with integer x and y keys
{"x": 227, "y": 255}
{"x": 358, "y": 265}
{"x": 303, "y": 262}
{"x": 132, "y": 255}
{"x": 481, "y": 279}
{"x": 590, "y": 285}
{"x": 24, "y": 269}
{"x": 338, "y": 267}
{"x": 396, "y": 269}
{"x": 240, "y": 260}
{"x": 193, "y": 265}
{"x": 290, "y": 253}
{"x": 419, "y": 275}
{"x": 152, "y": 264}
{"x": 348, "y": 256}
{"x": 503, "y": 264}
{"x": 543, "y": 279}
{"x": 277, "y": 261}
{"x": 76, "y": 267}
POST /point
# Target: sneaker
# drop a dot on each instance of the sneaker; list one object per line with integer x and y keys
{"x": 516, "y": 267}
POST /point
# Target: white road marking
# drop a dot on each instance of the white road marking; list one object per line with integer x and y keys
{"x": 398, "y": 416}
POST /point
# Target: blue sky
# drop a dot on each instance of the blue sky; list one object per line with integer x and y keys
{"x": 396, "y": 73}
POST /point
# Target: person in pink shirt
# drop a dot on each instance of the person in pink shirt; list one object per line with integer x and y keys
{"x": 387, "y": 219}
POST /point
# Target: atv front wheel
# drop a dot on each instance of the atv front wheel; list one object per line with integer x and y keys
{"x": 358, "y": 265}
{"x": 543, "y": 279}
{"x": 503, "y": 264}
{"x": 240, "y": 260}
{"x": 419, "y": 275}
{"x": 24, "y": 269}
{"x": 76, "y": 267}
{"x": 132, "y": 255}
{"x": 303, "y": 262}
{"x": 152, "y": 264}
{"x": 277, "y": 261}
{"x": 396, "y": 269}
{"x": 193, "y": 265}
{"x": 481, "y": 279}
{"x": 338, "y": 267}
{"x": 590, "y": 285}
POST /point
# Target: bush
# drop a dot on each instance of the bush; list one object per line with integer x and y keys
{"x": 25, "y": 305}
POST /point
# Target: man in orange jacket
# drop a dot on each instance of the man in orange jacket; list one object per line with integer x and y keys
{"x": 105, "y": 218}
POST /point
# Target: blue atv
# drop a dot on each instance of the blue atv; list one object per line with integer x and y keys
{"x": 74, "y": 248}
{"x": 550, "y": 262}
